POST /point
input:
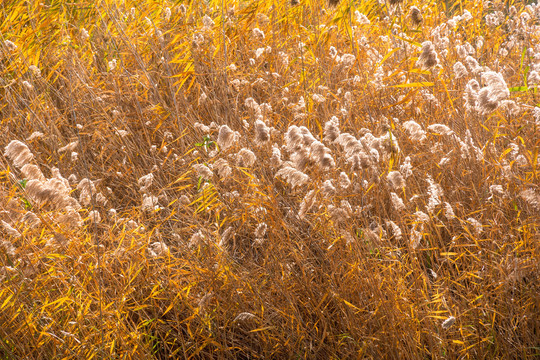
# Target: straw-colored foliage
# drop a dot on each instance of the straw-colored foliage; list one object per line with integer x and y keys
{"x": 271, "y": 179}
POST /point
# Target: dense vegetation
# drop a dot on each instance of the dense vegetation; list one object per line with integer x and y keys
{"x": 269, "y": 179}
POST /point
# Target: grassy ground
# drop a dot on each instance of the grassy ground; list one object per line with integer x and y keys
{"x": 269, "y": 179}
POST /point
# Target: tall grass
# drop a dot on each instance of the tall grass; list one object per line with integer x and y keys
{"x": 269, "y": 179}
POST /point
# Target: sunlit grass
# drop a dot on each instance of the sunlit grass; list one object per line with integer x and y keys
{"x": 269, "y": 179}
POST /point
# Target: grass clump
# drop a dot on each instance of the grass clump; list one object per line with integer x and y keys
{"x": 269, "y": 179}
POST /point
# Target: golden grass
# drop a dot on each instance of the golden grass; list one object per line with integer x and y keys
{"x": 192, "y": 264}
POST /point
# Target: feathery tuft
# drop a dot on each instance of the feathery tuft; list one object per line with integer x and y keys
{"x": 19, "y": 153}
{"x": 428, "y": 57}
{"x": 294, "y": 177}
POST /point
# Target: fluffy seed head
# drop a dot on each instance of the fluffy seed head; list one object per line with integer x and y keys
{"x": 416, "y": 15}
{"x": 471, "y": 94}
{"x": 19, "y": 153}
{"x": 245, "y": 158}
{"x": 35, "y": 135}
{"x": 31, "y": 219}
{"x": 396, "y": 180}
{"x": 258, "y": 33}
{"x": 428, "y": 57}
{"x": 226, "y": 236}
{"x": 321, "y": 155}
{"x": 416, "y": 133}
{"x": 360, "y": 18}
{"x": 262, "y": 133}
{"x": 197, "y": 239}
{"x": 472, "y": 64}
{"x": 244, "y": 316}
{"x": 167, "y": 13}
{"x": 293, "y": 138}
{"x": 338, "y": 214}
{"x": 203, "y": 171}
{"x": 435, "y": 192}
{"x": 10, "y": 45}
{"x": 485, "y": 104}
{"x": 307, "y": 203}
{"x": 331, "y": 129}
{"x": 348, "y": 60}
{"x": 28, "y": 85}
{"x": 149, "y": 203}
{"x": 533, "y": 78}
{"x": 531, "y": 197}
{"x": 406, "y": 168}
{"x": 448, "y": 322}
{"x": 396, "y": 230}
{"x": 344, "y": 181}
{"x": 490, "y": 96}
{"x": 207, "y": 21}
{"x": 69, "y": 147}
{"x": 112, "y": 65}
{"x": 11, "y": 231}
{"x": 223, "y": 168}
{"x": 440, "y": 129}
{"x": 397, "y": 202}
{"x": 157, "y": 249}
{"x": 145, "y": 182}
{"x": 476, "y": 226}
{"x": 87, "y": 190}
{"x": 94, "y": 217}
{"x": 84, "y": 34}
{"x": 416, "y": 235}
{"x": 31, "y": 171}
{"x": 350, "y": 144}
{"x": 328, "y": 188}
{"x": 52, "y": 191}
{"x": 70, "y": 218}
{"x": 225, "y": 137}
{"x": 496, "y": 190}
{"x": 292, "y": 176}
{"x": 260, "y": 231}
{"x": 460, "y": 70}
{"x": 275, "y": 160}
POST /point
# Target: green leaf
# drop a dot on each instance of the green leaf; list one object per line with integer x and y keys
{"x": 199, "y": 183}
{"x": 522, "y": 58}
{"x": 207, "y": 141}
{"x": 518, "y": 88}
{"x": 27, "y": 205}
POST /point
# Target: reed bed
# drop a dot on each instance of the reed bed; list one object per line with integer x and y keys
{"x": 230, "y": 179}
